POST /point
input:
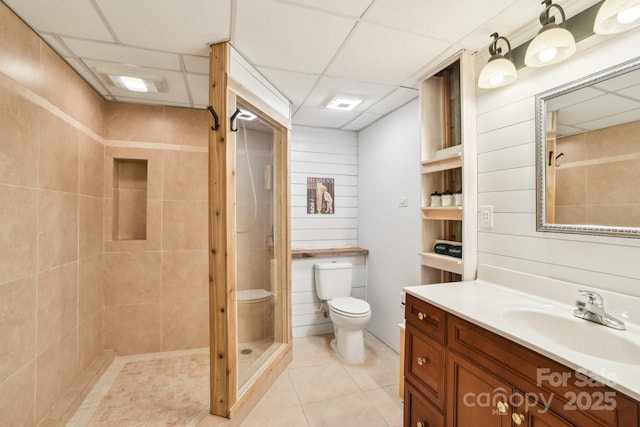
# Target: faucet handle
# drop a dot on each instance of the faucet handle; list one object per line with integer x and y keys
{"x": 591, "y": 297}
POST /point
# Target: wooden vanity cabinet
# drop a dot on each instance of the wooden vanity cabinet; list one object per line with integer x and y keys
{"x": 458, "y": 374}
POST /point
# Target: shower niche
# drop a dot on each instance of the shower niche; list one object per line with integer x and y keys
{"x": 129, "y": 199}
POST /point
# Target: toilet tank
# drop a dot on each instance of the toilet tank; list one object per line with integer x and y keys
{"x": 333, "y": 280}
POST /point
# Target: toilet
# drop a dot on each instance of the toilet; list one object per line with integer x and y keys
{"x": 349, "y": 315}
{"x": 255, "y": 315}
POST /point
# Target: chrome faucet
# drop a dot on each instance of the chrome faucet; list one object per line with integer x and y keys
{"x": 592, "y": 309}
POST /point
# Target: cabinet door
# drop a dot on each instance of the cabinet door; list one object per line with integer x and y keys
{"x": 419, "y": 412}
{"x": 425, "y": 365}
{"x": 475, "y": 397}
{"x": 535, "y": 413}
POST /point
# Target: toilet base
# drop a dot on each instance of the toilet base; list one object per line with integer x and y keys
{"x": 349, "y": 345}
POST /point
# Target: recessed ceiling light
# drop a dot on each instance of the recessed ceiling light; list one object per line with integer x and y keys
{"x": 135, "y": 84}
{"x": 245, "y": 115}
{"x": 344, "y": 104}
{"x": 133, "y": 81}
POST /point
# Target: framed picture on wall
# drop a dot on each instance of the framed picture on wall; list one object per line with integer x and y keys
{"x": 320, "y": 195}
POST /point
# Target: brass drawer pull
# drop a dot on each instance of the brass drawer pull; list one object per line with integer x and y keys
{"x": 517, "y": 418}
{"x": 422, "y": 360}
{"x": 421, "y": 424}
{"x": 503, "y": 408}
{"x": 422, "y": 315}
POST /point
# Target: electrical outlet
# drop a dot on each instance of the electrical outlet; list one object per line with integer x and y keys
{"x": 402, "y": 202}
{"x": 486, "y": 216}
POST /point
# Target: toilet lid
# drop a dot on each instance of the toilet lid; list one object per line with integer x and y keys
{"x": 350, "y": 306}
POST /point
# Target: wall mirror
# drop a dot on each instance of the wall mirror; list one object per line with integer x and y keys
{"x": 588, "y": 154}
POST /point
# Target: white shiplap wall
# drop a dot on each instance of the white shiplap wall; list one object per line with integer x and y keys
{"x": 507, "y": 180}
{"x": 324, "y": 153}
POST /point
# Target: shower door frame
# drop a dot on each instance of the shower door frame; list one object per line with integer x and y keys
{"x": 224, "y": 94}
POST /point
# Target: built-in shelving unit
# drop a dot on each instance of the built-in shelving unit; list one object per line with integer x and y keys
{"x": 448, "y": 163}
{"x": 437, "y": 165}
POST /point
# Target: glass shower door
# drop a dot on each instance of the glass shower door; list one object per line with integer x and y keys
{"x": 256, "y": 248}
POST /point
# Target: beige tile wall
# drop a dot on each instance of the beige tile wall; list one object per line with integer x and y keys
{"x": 67, "y": 290}
{"x": 156, "y": 289}
{"x": 51, "y": 273}
{"x": 603, "y": 191}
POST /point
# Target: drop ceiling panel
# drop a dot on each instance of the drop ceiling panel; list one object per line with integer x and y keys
{"x": 123, "y": 54}
{"x": 199, "y": 89}
{"x": 442, "y": 20}
{"x": 330, "y": 87}
{"x": 572, "y": 98}
{"x": 362, "y": 121}
{"x": 617, "y": 119}
{"x": 88, "y": 76}
{"x": 288, "y": 37}
{"x": 620, "y": 82}
{"x": 395, "y": 100}
{"x": 352, "y": 8}
{"x": 69, "y": 17}
{"x": 186, "y": 26}
{"x": 321, "y": 117}
{"x": 382, "y": 55}
{"x": 177, "y": 93}
{"x": 196, "y": 64}
{"x": 55, "y": 44}
{"x": 593, "y": 108}
{"x": 631, "y": 92}
{"x": 295, "y": 86}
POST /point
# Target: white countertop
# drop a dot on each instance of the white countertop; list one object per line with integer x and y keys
{"x": 495, "y": 306}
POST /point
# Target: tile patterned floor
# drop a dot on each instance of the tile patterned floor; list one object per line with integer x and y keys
{"x": 316, "y": 389}
{"x": 159, "y": 389}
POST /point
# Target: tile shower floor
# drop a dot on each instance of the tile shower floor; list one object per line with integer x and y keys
{"x": 316, "y": 389}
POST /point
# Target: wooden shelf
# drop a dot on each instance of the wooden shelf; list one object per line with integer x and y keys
{"x": 442, "y": 262}
{"x": 328, "y": 252}
{"x": 437, "y": 165}
{"x": 452, "y": 213}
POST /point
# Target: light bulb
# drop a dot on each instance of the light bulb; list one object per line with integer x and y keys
{"x": 629, "y": 15}
{"x": 548, "y": 54}
{"x": 134, "y": 83}
{"x": 496, "y": 80}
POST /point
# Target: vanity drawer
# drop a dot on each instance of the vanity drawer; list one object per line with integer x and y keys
{"x": 419, "y": 412}
{"x": 429, "y": 319}
{"x": 425, "y": 365}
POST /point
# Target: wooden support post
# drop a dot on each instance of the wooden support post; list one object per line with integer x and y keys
{"x": 219, "y": 218}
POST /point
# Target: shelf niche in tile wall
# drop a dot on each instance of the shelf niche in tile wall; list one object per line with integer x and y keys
{"x": 129, "y": 199}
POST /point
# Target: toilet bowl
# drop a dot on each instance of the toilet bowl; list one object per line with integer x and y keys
{"x": 349, "y": 315}
{"x": 255, "y": 315}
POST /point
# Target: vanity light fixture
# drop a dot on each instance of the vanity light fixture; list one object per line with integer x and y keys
{"x": 344, "y": 104}
{"x": 616, "y": 16}
{"x": 554, "y": 43}
{"x": 499, "y": 71}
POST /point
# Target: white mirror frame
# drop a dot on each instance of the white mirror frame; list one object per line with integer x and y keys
{"x": 541, "y": 154}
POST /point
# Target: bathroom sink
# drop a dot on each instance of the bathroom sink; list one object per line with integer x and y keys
{"x": 576, "y": 334}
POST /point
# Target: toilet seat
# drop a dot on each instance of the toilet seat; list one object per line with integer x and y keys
{"x": 350, "y": 307}
{"x": 254, "y": 295}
